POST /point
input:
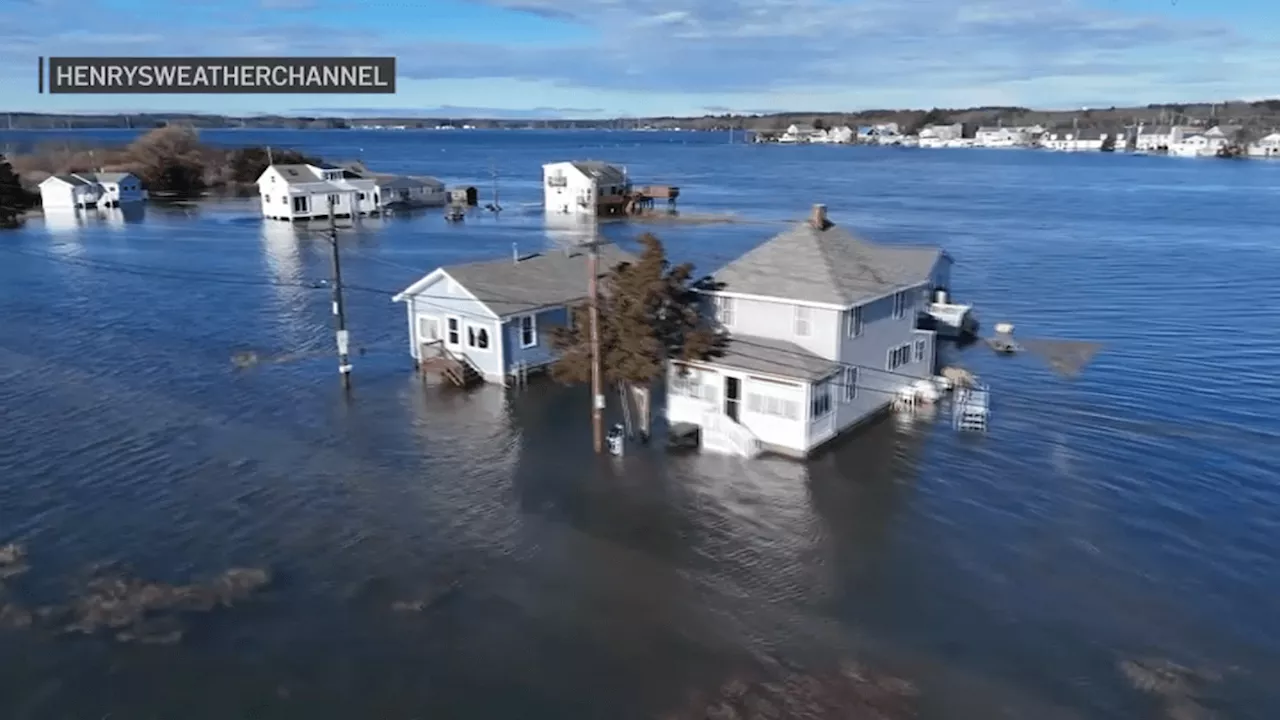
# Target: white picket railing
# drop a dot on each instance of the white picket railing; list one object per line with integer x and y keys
{"x": 721, "y": 433}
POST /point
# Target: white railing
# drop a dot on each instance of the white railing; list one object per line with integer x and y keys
{"x": 722, "y": 433}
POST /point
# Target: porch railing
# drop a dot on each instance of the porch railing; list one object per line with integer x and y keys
{"x": 717, "y": 426}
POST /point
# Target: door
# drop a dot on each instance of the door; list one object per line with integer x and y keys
{"x": 732, "y": 395}
{"x": 428, "y": 329}
{"x": 453, "y": 338}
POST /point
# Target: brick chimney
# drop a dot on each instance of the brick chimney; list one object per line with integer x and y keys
{"x": 818, "y": 217}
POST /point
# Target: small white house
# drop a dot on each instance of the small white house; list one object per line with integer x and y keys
{"x": 303, "y": 192}
{"x": 91, "y": 190}
{"x": 1158, "y": 138}
{"x": 799, "y": 133}
{"x": 408, "y": 191}
{"x": 1192, "y": 145}
{"x": 936, "y": 136}
{"x": 1074, "y": 140}
{"x": 823, "y": 334}
{"x": 583, "y": 186}
{"x": 1267, "y": 147}
{"x": 490, "y": 320}
{"x": 1002, "y": 137}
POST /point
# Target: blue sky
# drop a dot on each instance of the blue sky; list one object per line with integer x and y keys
{"x": 593, "y": 58}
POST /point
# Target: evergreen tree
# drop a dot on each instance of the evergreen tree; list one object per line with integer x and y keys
{"x": 649, "y": 312}
{"x": 14, "y": 199}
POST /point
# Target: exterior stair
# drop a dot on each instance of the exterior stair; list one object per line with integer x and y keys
{"x": 458, "y": 370}
{"x": 721, "y": 433}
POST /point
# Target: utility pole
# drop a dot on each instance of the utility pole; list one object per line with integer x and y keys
{"x": 597, "y": 392}
{"x": 339, "y": 310}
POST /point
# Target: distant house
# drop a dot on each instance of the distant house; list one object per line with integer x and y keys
{"x": 492, "y": 318}
{"x": 1193, "y": 144}
{"x": 1002, "y": 137}
{"x": 935, "y": 136}
{"x": 408, "y": 191}
{"x": 1268, "y": 146}
{"x": 583, "y": 186}
{"x": 1158, "y": 138}
{"x": 91, "y": 190}
{"x": 1220, "y": 137}
{"x": 822, "y": 333}
{"x": 1074, "y": 140}
{"x": 799, "y": 133}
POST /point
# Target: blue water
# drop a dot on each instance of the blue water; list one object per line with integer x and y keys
{"x": 1132, "y": 511}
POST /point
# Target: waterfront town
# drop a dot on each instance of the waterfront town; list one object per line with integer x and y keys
{"x": 1175, "y": 140}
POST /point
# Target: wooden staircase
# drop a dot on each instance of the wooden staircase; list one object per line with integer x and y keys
{"x": 458, "y": 370}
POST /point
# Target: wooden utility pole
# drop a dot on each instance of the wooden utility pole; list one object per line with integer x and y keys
{"x": 597, "y": 392}
{"x": 339, "y": 310}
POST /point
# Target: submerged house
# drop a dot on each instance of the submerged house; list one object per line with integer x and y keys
{"x": 821, "y": 335}
{"x": 304, "y": 192}
{"x": 90, "y": 190}
{"x": 489, "y": 320}
{"x": 583, "y": 186}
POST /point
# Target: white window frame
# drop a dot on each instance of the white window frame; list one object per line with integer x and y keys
{"x": 803, "y": 321}
{"x": 447, "y": 331}
{"x": 819, "y": 391}
{"x": 891, "y": 362}
{"x": 726, "y": 308}
{"x": 533, "y": 331}
{"x": 918, "y": 351}
{"x": 422, "y": 322}
{"x": 773, "y": 406}
{"x": 854, "y": 323}
{"x": 472, "y": 331}
{"x": 899, "y": 305}
{"x": 850, "y": 380}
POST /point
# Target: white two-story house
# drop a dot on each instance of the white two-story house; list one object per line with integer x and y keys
{"x": 822, "y": 335}
{"x": 588, "y": 187}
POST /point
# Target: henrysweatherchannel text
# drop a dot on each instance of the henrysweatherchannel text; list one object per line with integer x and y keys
{"x": 195, "y": 75}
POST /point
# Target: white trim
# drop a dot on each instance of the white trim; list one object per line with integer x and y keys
{"x": 418, "y": 327}
{"x": 426, "y": 280}
{"x": 888, "y": 357}
{"x": 854, "y": 320}
{"x": 825, "y": 306}
{"x": 713, "y": 366}
{"x": 533, "y": 328}
{"x": 469, "y": 326}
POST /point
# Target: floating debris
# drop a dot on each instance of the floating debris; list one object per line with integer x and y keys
{"x": 244, "y": 359}
{"x": 1178, "y": 686}
{"x": 959, "y": 377}
{"x": 852, "y": 693}
{"x": 1066, "y": 357}
{"x": 13, "y": 561}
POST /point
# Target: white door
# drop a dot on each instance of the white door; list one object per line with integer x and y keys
{"x": 428, "y": 329}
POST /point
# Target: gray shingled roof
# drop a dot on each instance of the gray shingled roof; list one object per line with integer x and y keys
{"x": 73, "y": 180}
{"x": 536, "y": 281}
{"x": 826, "y": 266}
{"x": 296, "y": 173}
{"x": 603, "y": 172}
{"x": 773, "y": 357}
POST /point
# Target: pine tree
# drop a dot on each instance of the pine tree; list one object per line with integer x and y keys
{"x": 649, "y": 312}
{"x": 14, "y": 199}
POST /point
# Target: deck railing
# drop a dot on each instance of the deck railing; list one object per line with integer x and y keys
{"x": 739, "y": 440}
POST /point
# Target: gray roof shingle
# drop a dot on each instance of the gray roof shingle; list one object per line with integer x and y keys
{"x": 603, "y": 172}
{"x": 536, "y": 281}
{"x": 829, "y": 266}
{"x": 111, "y": 177}
{"x": 773, "y": 357}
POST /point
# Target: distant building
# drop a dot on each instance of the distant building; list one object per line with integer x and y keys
{"x": 1158, "y": 138}
{"x": 302, "y": 192}
{"x": 1075, "y": 140}
{"x": 935, "y": 136}
{"x": 583, "y": 186}
{"x": 91, "y": 190}
{"x": 1268, "y": 146}
{"x": 1002, "y": 137}
{"x": 798, "y": 133}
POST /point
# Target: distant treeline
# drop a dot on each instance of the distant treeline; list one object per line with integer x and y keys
{"x": 170, "y": 161}
{"x": 1261, "y": 115}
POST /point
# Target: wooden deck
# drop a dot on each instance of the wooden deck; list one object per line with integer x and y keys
{"x": 436, "y": 359}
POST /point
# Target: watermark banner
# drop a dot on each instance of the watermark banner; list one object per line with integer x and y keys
{"x": 220, "y": 75}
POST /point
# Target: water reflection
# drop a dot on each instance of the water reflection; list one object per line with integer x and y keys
{"x": 128, "y": 214}
{"x": 63, "y": 221}
{"x": 570, "y": 230}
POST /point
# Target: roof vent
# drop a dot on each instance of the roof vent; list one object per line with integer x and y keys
{"x": 818, "y": 217}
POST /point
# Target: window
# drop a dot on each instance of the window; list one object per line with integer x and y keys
{"x": 361, "y": 196}
{"x": 690, "y": 385}
{"x": 898, "y": 357}
{"x": 850, "y": 381}
{"x": 335, "y": 200}
{"x": 853, "y": 323}
{"x": 453, "y": 331}
{"x": 528, "y": 331}
{"x": 375, "y": 198}
{"x": 770, "y": 405}
{"x": 428, "y": 329}
{"x": 725, "y": 307}
{"x": 899, "y": 305}
{"x": 803, "y": 326}
{"x": 477, "y": 337}
{"x": 821, "y": 404}
{"x": 919, "y": 355}
{"x": 300, "y": 203}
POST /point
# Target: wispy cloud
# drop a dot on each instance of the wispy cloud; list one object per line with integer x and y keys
{"x": 744, "y": 53}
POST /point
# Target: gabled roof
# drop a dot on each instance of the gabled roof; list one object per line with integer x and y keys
{"x": 507, "y": 287}
{"x": 828, "y": 266}
{"x": 295, "y": 173}
{"x": 601, "y": 172}
{"x": 772, "y": 357}
{"x": 111, "y": 177}
{"x": 73, "y": 180}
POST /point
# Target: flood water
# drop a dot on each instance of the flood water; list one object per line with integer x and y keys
{"x": 1130, "y": 512}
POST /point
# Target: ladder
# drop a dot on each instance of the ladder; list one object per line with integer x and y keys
{"x": 971, "y": 408}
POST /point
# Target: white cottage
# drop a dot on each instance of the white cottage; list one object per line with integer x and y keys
{"x": 91, "y": 190}
{"x": 583, "y": 186}
{"x": 1158, "y": 138}
{"x": 1267, "y": 147}
{"x": 936, "y": 136}
{"x": 1002, "y": 137}
{"x": 303, "y": 192}
{"x": 408, "y": 191}
{"x": 822, "y": 335}
{"x": 489, "y": 320}
{"x": 1075, "y": 140}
